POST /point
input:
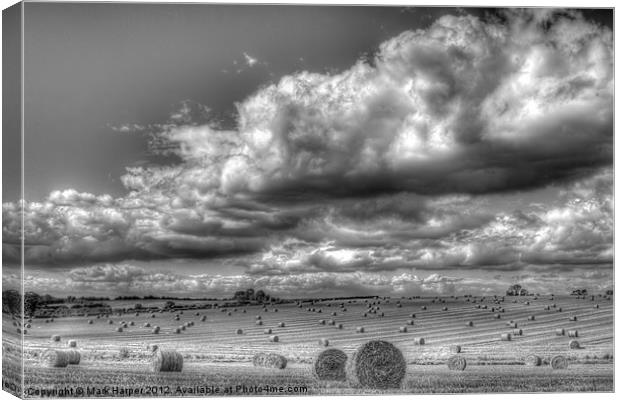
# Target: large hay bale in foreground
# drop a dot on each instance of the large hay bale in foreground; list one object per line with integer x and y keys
{"x": 559, "y": 362}
{"x": 167, "y": 361}
{"x": 376, "y": 365}
{"x": 533, "y": 360}
{"x": 573, "y": 344}
{"x": 330, "y": 365}
{"x": 55, "y": 358}
{"x": 457, "y": 363}
{"x": 269, "y": 360}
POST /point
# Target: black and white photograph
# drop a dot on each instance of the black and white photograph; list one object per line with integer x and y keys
{"x": 227, "y": 199}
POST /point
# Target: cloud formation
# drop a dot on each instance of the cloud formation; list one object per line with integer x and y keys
{"x": 383, "y": 167}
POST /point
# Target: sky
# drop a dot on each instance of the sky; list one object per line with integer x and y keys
{"x": 196, "y": 150}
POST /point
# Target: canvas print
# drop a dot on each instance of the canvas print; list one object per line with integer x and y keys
{"x": 234, "y": 199}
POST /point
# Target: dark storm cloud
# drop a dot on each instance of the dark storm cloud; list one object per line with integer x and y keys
{"x": 373, "y": 168}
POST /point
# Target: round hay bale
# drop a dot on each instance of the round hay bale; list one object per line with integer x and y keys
{"x": 376, "y": 364}
{"x": 531, "y": 318}
{"x": 269, "y": 360}
{"x": 281, "y": 324}
{"x": 90, "y": 322}
{"x": 182, "y": 327}
{"x": 131, "y": 323}
{"x": 267, "y": 331}
{"x": 323, "y": 342}
{"x": 274, "y": 338}
{"x": 402, "y": 329}
{"x": 444, "y": 309}
{"x": 517, "y": 332}
{"x": 419, "y": 341}
{"x": 330, "y": 365}
{"x": 203, "y": 318}
{"x": 239, "y": 331}
{"x": 177, "y": 330}
{"x": 359, "y": 329}
{"x": 152, "y": 347}
{"x": 455, "y": 348}
{"x": 339, "y": 326}
{"x": 156, "y": 330}
{"x": 506, "y": 337}
{"x": 259, "y": 322}
{"x": 73, "y": 357}
{"x": 559, "y": 362}
{"x": 470, "y": 323}
{"x": 498, "y": 316}
{"x": 410, "y": 322}
{"x": 321, "y": 322}
{"x": 572, "y": 318}
{"x": 110, "y": 322}
{"x": 533, "y": 360}
{"x": 259, "y": 317}
{"x": 423, "y": 307}
{"x": 457, "y": 363}
{"x": 596, "y": 306}
{"x": 167, "y": 361}
{"x": 559, "y": 332}
{"x": 412, "y": 315}
{"x": 55, "y": 358}
{"x": 147, "y": 325}
{"x": 72, "y": 343}
{"x": 119, "y": 329}
{"x": 55, "y": 338}
{"x": 573, "y": 334}
{"x": 573, "y": 344}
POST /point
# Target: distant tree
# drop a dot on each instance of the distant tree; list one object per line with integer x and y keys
{"x": 609, "y": 292}
{"x": 240, "y": 295}
{"x": 169, "y": 304}
{"x": 259, "y": 295}
{"x": 11, "y": 301}
{"x": 249, "y": 294}
{"x": 31, "y": 301}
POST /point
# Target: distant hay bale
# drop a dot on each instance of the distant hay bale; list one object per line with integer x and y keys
{"x": 596, "y": 306}
{"x": 573, "y": 344}
{"x": 498, "y": 316}
{"x": 269, "y": 360}
{"x": 402, "y": 329}
{"x": 559, "y": 362}
{"x": 281, "y": 324}
{"x": 90, "y": 322}
{"x": 419, "y": 341}
{"x": 321, "y": 322}
{"x": 274, "y": 338}
{"x": 259, "y": 322}
{"x": 531, "y": 318}
{"x": 239, "y": 331}
{"x": 559, "y": 332}
{"x": 533, "y": 360}
{"x": 547, "y": 308}
{"x": 359, "y": 329}
{"x": 203, "y": 318}
{"x": 339, "y": 326}
{"x": 131, "y": 323}
{"x": 259, "y": 317}
{"x": 506, "y": 337}
{"x": 470, "y": 323}
{"x": 147, "y": 325}
{"x": 55, "y": 358}
{"x": 55, "y": 338}
{"x": 376, "y": 364}
{"x": 512, "y": 324}
{"x": 455, "y": 348}
{"x": 182, "y": 327}
{"x": 167, "y": 361}
{"x": 573, "y": 334}
{"x": 110, "y": 322}
{"x": 177, "y": 330}
{"x": 444, "y": 309}
{"x": 72, "y": 343}
{"x": 410, "y": 322}
{"x": 457, "y": 363}
{"x": 572, "y": 318}
{"x": 267, "y": 331}
{"x": 323, "y": 342}
{"x": 517, "y": 332}
{"x": 330, "y": 365}
{"x": 423, "y": 307}
{"x": 412, "y": 315}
